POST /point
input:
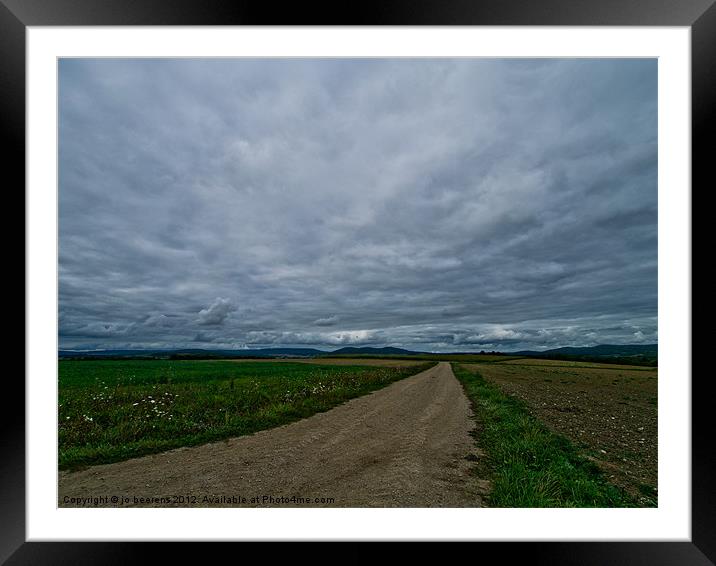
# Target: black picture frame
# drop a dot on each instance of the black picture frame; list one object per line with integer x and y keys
{"x": 17, "y": 15}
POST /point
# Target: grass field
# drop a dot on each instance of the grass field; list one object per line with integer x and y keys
{"x": 608, "y": 412}
{"x": 529, "y": 464}
{"x": 380, "y": 362}
{"x": 113, "y": 410}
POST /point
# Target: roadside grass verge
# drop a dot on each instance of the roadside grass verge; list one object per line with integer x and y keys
{"x": 528, "y": 465}
{"x": 113, "y": 410}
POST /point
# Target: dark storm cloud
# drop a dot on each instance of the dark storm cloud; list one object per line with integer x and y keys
{"x": 440, "y": 204}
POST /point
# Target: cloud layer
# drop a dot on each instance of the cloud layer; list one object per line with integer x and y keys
{"x": 437, "y": 204}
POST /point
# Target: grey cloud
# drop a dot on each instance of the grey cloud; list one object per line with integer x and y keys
{"x": 216, "y": 313}
{"x": 205, "y": 337}
{"x": 446, "y": 204}
{"x": 160, "y": 321}
{"x": 327, "y": 321}
{"x": 97, "y": 330}
{"x": 338, "y": 338}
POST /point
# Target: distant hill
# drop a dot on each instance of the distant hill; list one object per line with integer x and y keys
{"x": 631, "y": 354}
{"x": 372, "y": 351}
{"x": 196, "y": 353}
{"x": 111, "y": 353}
{"x": 273, "y": 352}
{"x": 646, "y": 354}
{"x": 650, "y": 350}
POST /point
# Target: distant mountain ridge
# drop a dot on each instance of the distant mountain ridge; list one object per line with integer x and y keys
{"x": 254, "y": 353}
{"x": 187, "y": 352}
{"x": 373, "y": 351}
{"x": 650, "y": 350}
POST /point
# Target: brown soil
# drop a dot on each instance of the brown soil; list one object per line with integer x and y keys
{"x": 406, "y": 445}
{"x": 609, "y": 413}
{"x": 573, "y": 364}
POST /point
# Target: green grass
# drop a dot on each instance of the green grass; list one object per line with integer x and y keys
{"x": 529, "y": 465}
{"x": 112, "y": 410}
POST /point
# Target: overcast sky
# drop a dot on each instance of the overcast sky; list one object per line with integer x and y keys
{"x": 437, "y": 204}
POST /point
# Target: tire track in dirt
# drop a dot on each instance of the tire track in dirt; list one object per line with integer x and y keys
{"x": 402, "y": 446}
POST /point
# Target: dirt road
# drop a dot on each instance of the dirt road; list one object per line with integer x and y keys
{"x": 402, "y": 446}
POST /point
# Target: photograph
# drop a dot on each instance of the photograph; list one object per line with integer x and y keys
{"x": 357, "y": 282}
